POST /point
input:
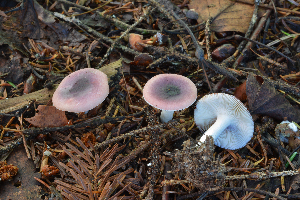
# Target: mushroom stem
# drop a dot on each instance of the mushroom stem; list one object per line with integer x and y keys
{"x": 218, "y": 127}
{"x": 166, "y": 116}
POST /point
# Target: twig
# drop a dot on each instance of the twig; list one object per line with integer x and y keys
{"x": 148, "y": 11}
{"x": 254, "y": 35}
{"x": 292, "y": 61}
{"x": 232, "y": 189}
{"x": 116, "y": 22}
{"x": 33, "y": 132}
{"x": 241, "y": 46}
{"x": 200, "y": 55}
{"x": 276, "y": 84}
{"x": 208, "y": 31}
{"x": 97, "y": 34}
{"x": 207, "y": 37}
{"x": 166, "y": 8}
{"x": 270, "y": 7}
{"x": 183, "y": 30}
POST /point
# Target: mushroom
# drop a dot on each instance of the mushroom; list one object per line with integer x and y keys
{"x": 226, "y": 119}
{"x": 81, "y": 91}
{"x": 169, "y": 92}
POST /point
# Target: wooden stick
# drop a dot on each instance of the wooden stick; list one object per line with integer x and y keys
{"x": 269, "y": 7}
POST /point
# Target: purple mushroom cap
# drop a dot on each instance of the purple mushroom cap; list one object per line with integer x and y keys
{"x": 170, "y": 92}
{"x": 81, "y": 91}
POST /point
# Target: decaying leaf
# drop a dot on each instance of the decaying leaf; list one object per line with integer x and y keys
{"x": 34, "y": 22}
{"x": 235, "y": 18}
{"x": 48, "y": 116}
{"x": 264, "y": 99}
{"x": 240, "y": 92}
{"x": 111, "y": 68}
{"x": 143, "y": 59}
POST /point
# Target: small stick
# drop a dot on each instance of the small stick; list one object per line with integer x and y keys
{"x": 116, "y": 22}
{"x": 199, "y": 51}
{"x": 232, "y": 58}
{"x": 270, "y": 7}
{"x": 25, "y": 146}
{"x": 148, "y": 11}
{"x": 292, "y": 61}
{"x": 207, "y": 37}
{"x": 200, "y": 54}
{"x": 253, "y": 37}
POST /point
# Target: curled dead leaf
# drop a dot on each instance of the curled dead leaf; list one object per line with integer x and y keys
{"x": 48, "y": 116}
{"x": 264, "y": 99}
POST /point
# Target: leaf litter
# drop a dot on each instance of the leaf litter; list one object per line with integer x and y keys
{"x": 120, "y": 149}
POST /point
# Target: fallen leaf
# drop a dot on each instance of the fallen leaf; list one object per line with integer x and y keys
{"x": 29, "y": 85}
{"x": 235, "y": 18}
{"x": 240, "y": 92}
{"x": 143, "y": 59}
{"x": 264, "y": 99}
{"x": 112, "y": 68}
{"x": 48, "y": 116}
{"x": 35, "y": 23}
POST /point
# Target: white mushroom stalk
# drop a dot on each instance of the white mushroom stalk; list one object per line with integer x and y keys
{"x": 222, "y": 123}
{"x": 166, "y": 115}
{"x": 226, "y": 119}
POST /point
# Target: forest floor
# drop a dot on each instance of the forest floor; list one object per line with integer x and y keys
{"x": 120, "y": 149}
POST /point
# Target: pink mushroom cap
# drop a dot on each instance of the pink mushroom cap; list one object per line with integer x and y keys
{"x": 81, "y": 91}
{"x": 170, "y": 92}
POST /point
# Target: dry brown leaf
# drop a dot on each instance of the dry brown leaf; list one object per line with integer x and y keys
{"x": 235, "y": 18}
{"x": 143, "y": 59}
{"x": 264, "y": 99}
{"x": 240, "y": 92}
{"x": 48, "y": 116}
